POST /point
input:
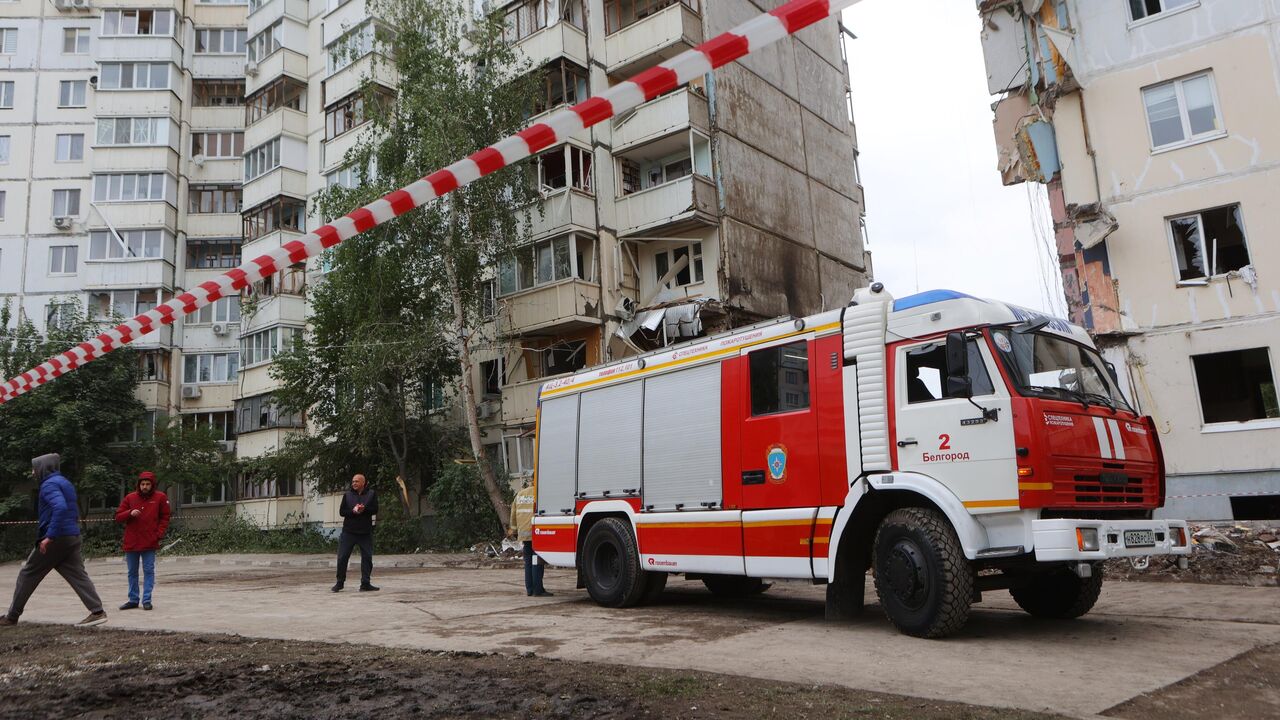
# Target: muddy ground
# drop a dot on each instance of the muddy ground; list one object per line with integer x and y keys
{"x": 51, "y": 671}
{"x": 1246, "y": 687}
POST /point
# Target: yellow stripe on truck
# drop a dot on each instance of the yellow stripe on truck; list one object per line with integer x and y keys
{"x": 991, "y": 503}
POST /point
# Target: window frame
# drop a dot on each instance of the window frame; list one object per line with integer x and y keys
{"x": 779, "y": 348}
{"x": 76, "y": 35}
{"x": 1204, "y": 249}
{"x": 205, "y": 89}
{"x": 7, "y": 92}
{"x": 5, "y": 34}
{"x": 70, "y": 193}
{"x": 1233, "y": 425}
{"x": 70, "y": 146}
{"x": 1188, "y": 139}
{"x": 1163, "y": 13}
{"x": 209, "y": 362}
{"x": 70, "y": 255}
{"x": 67, "y": 91}
{"x": 696, "y": 267}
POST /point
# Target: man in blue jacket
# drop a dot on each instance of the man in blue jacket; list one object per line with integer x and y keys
{"x": 59, "y": 547}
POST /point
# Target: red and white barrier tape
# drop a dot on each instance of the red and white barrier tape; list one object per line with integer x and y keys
{"x": 557, "y": 128}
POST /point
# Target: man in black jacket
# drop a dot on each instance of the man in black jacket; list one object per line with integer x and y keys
{"x": 359, "y": 505}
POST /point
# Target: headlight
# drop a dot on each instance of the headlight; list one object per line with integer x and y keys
{"x": 1178, "y": 536}
{"x": 1087, "y": 539}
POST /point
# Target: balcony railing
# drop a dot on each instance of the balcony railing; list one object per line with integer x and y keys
{"x": 552, "y": 309}
{"x": 690, "y": 200}
{"x": 658, "y": 31}
{"x": 662, "y": 116}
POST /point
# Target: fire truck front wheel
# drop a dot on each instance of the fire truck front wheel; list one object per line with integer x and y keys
{"x": 922, "y": 577}
{"x": 1059, "y": 594}
{"x": 612, "y": 565}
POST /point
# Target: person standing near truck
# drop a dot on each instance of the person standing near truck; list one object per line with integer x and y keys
{"x": 145, "y": 516}
{"x": 521, "y": 528}
{"x": 59, "y": 547}
{"x": 359, "y": 505}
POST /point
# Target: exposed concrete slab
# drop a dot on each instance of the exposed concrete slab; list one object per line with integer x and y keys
{"x": 1142, "y": 635}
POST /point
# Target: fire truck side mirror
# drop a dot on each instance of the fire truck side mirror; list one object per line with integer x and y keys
{"x": 959, "y": 384}
{"x": 1111, "y": 370}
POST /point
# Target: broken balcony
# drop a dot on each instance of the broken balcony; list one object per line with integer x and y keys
{"x": 549, "y": 288}
{"x": 665, "y": 186}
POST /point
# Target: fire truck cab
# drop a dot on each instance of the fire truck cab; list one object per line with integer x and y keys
{"x": 950, "y": 444}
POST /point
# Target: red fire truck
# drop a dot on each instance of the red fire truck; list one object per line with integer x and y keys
{"x": 926, "y": 438}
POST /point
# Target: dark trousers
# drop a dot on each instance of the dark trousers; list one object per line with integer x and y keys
{"x": 63, "y": 555}
{"x": 346, "y": 542}
{"x": 533, "y": 569}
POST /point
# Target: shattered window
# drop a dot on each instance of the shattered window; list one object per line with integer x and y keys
{"x": 1209, "y": 243}
{"x": 1236, "y": 386}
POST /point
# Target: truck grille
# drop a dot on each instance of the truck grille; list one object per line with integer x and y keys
{"x": 1073, "y": 487}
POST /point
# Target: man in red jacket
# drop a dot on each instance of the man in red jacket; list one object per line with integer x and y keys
{"x": 145, "y": 515}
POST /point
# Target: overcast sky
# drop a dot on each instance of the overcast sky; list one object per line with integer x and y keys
{"x": 937, "y": 215}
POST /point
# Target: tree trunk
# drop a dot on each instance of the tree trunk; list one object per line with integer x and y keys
{"x": 487, "y": 475}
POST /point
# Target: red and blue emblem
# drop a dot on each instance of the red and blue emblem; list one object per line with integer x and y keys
{"x": 776, "y": 459}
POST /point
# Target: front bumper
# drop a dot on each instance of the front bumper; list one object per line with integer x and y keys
{"x": 1057, "y": 539}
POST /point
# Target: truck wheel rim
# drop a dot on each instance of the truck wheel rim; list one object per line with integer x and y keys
{"x": 607, "y": 565}
{"x": 908, "y": 574}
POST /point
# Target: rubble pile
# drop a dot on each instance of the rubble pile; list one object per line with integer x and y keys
{"x": 1243, "y": 553}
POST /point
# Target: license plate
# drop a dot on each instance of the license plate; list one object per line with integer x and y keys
{"x": 1139, "y": 538}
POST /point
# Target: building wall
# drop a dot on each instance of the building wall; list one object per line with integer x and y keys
{"x": 1116, "y": 192}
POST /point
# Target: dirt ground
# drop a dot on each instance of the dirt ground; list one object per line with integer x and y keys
{"x": 1245, "y": 687}
{"x": 58, "y": 671}
{"x": 1245, "y": 553}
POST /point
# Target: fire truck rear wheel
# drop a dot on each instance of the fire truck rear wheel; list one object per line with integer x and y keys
{"x": 1059, "y": 594}
{"x": 611, "y": 564}
{"x": 922, "y": 577}
{"x": 734, "y": 586}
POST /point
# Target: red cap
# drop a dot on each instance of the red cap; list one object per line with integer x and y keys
{"x": 147, "y": 475}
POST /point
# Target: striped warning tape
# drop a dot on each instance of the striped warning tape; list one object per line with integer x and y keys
{"x": 744, "y": 39}
{"x": 97, "y": 520}
{"x": 1261, "y": 493}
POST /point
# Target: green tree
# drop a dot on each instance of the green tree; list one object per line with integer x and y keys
{"x": 84, "y": 416}
{"x": 188, "y": 455}
{"x": 394, "y": 322}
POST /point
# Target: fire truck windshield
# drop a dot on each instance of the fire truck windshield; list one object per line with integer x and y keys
{"x": 1047, "y": 365}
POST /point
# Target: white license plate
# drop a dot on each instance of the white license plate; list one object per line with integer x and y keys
{"x": 1139, "y": 538}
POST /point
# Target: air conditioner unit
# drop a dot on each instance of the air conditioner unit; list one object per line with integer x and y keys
{"x": 64, "y": 4}
{"x": 190, "y": 391}
{"x": 484, "y": 411}
{"x": 81, "y": 4}
{"x": 228, "y": 446}
{"x": 63, "y": 222}
{"x": 219, "y": 328}
{"x": 198, "y": 160}
{"x": 251, "y": 69}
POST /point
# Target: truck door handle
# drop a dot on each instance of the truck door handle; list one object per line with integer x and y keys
{"x": 752, "y": 477}
{"x": 907, "y": 441}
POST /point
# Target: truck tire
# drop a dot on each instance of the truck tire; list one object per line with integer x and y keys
{"x": 1060, "y": 594}
{"x": 734, "y": 586}
{"x": 612, "y": 565}
{"x": 924, "y": 582}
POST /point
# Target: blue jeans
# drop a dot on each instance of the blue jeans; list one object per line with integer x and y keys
{"x": 148, "y": 558}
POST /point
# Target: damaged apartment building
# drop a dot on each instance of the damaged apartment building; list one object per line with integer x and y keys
{"x": 1155, "y": 125}
{"x": 721, "y": 204}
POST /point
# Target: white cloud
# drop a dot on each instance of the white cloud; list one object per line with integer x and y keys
{"x": 937, "y": 214}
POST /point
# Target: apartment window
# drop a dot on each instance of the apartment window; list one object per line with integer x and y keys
{"x": 66, "y": 203}
{"x": 350, "y": 48}
{"x": 217, "y": 93}
{"x": 133, "y": 131}
{"x": 290, "y": 281}
{"x": 619, "y": 14}
{"x": 262, "y": 160}
{"x": 1209, "y": 243}
{"x": 520, "y": 453}
{"x": 71, "y": 93}
{"x": 222, "y": 310}
{"x": 264, "y": 345}
{"x": 129, "y": 187}
{"x": 565, "y": 356}
{"x": 205, "y": 254}
{"x": 489, "y": 299}
{"x": 134, "y": 76}
{"x": 75, "y": 41}
{"x": 137, "y": 22}
{"x": 282, "y": 213}
{"x": 527, "y": 18}
{"x": 494, "y": 379}
{"x": 4, "y": 195}
{"x": 209, "y": 496}
{"x": 771, "y": 391}
{"x": 1182, "y": 111}
{"x": 69, "y": 148}
{"x": 8, "y": 41}
{"x": 59, "y": 315}
{"x": 6, "y": 95}
{"x": 62, "y": 259}
{"x": 252, "y": 488}
{"x": 641, "y": 173}
{"x": 4, "y": 149}
{"x": 266, "y": 42}
{"x": 109, "y": 304}
{"x": 213, "y": 199}
{"x": 260, "y": 413}
{"x": 153, "y": 365}
{"x": 218, "y": 144}
{"x": 691, "y": 273}
{"x": 564, "y": 167}
{"x": 284, "y": 92}
{"x": 348, "y": 177}
{"x": 1140, "y": 9}
{"x": 347, "y": 114}
{"x": 221, "y": 41}
{"x": 210, "y": 368}
{"x": 127, "y": 244}
{"x": 534, "y": 265}
{"x": 223, "y": 424}
{"x": 1236, "y": 386}
{"x": 565, "y": 83}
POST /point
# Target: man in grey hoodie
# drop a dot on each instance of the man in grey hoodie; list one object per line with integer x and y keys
{"x": 59, "y": 547}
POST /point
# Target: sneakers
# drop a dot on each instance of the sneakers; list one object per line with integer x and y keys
{"x": 94, "y": 619}
{"x": 146, "y": 606}
{"x": 6, "y": 621}
{"x": 544, "y": 593}
{"x": 131, "y": 605}
{"x": 369, "y": 588}
{"x": 336, "y": 588}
